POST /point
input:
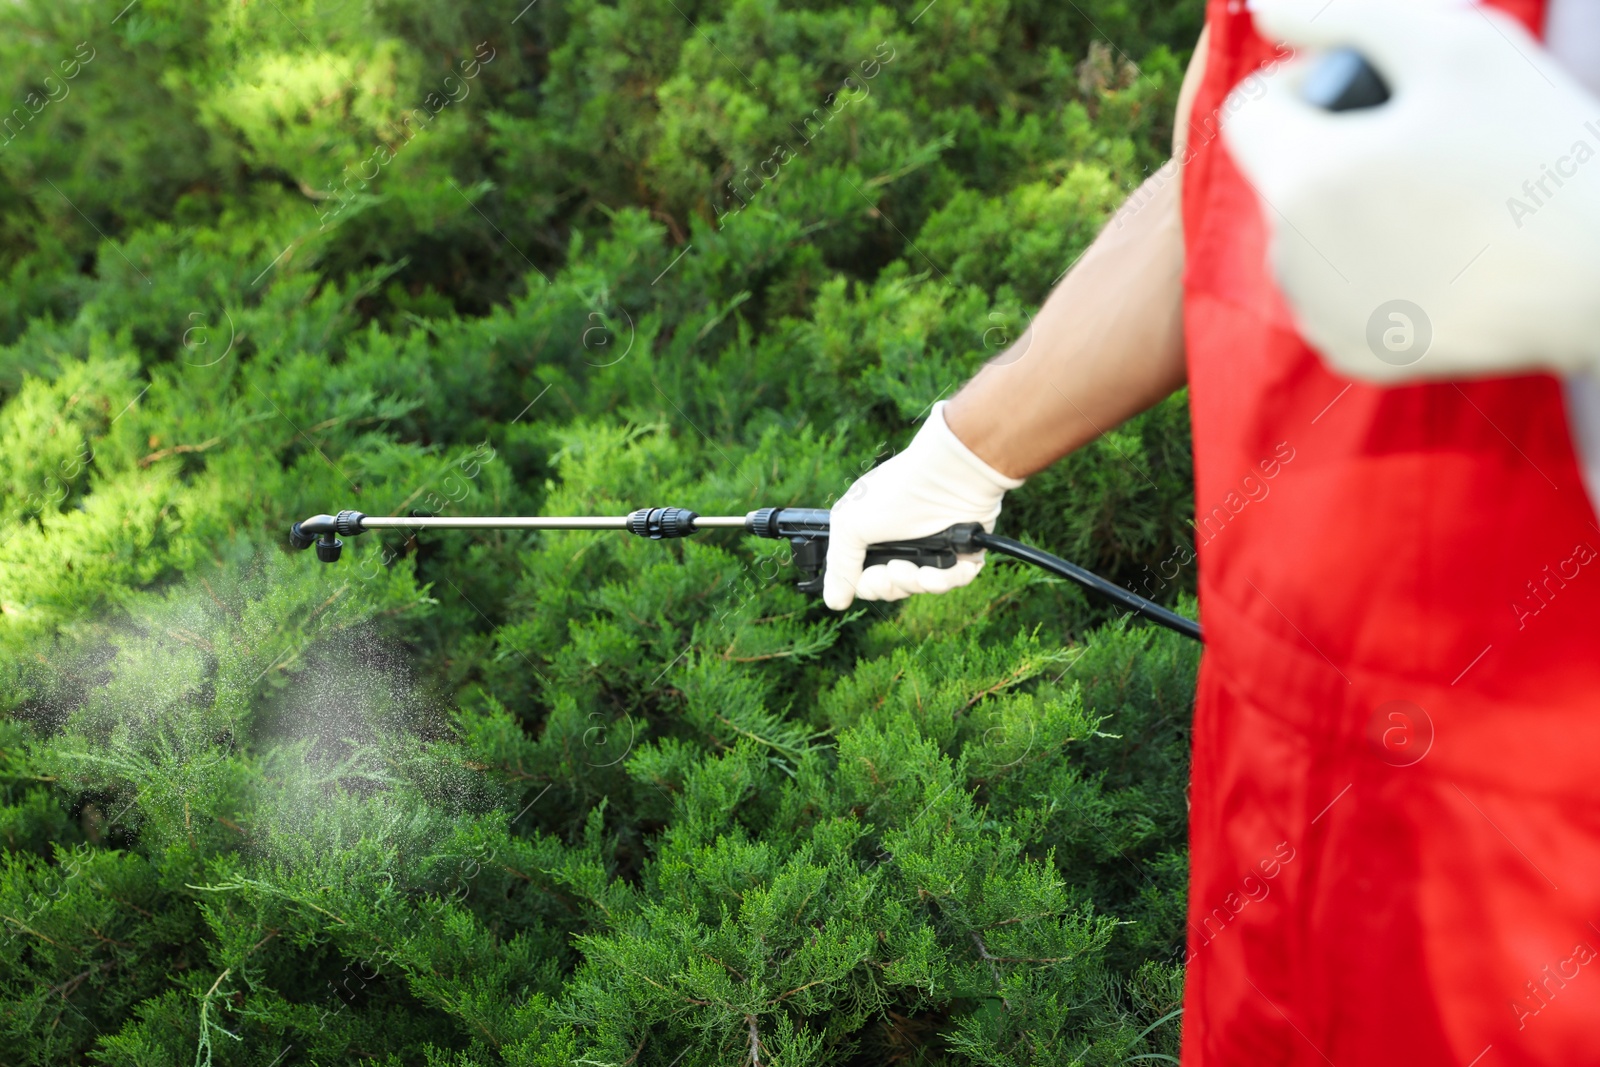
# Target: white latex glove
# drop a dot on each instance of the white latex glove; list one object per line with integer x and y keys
{"x": 934, "y": 484}
{"x": 1428, "y": 237}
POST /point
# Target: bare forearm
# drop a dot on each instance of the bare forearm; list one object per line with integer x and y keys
{"x": 1107, "y": 344}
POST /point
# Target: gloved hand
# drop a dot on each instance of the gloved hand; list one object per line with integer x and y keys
{"x": 934, "y": 484}
{"x": 1451, "y": 232}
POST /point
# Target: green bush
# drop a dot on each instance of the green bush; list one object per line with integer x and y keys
{"x": 569, "y": 798}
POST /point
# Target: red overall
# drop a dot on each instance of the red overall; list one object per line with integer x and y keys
{"x": 1395, "y": 828}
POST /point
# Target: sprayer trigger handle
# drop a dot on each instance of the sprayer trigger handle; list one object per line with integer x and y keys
{"x": 938, "y": 550}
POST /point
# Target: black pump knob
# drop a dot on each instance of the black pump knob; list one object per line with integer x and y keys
{"x": 1343, "y": 80}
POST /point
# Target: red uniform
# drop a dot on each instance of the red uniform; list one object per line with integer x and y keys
{"x": 1395, "y": 829}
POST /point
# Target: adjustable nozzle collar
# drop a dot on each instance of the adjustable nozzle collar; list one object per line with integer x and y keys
{"x": 763, "y": 522}
{"x": 660, "y": 523}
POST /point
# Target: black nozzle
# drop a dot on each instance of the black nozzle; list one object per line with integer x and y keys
{"x": 299, "y": 539}
{"x": 323, "y": 531}
{"x": 1343, "y": 80}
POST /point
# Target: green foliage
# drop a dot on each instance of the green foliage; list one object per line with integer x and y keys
{"x": 564, "y": 798}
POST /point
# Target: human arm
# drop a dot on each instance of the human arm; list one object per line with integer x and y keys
{"x": 1107, "y": 344}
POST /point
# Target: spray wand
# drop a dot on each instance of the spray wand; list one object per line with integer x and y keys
{"x": 806, "y": 530}
{"x": 1342, "y": 80}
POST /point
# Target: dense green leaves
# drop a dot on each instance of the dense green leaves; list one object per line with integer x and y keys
{"x": 564, "y": 798}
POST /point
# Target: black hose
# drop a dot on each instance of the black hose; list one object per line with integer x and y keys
{"x": 1089, "y": 580}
